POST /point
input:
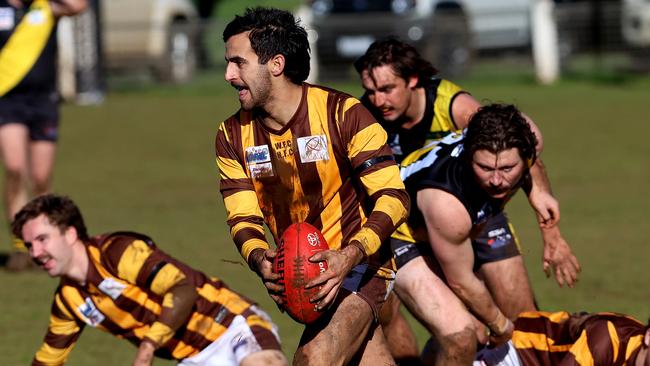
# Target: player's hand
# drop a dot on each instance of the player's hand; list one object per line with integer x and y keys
{"x": 502, "y": 336}
{"x": 144, "y": 357}
{"x": 339, "y": 264}
{"x": 546, "y": 207}
{"x": 559, "y": 258}
{"x": 262, "y": 263}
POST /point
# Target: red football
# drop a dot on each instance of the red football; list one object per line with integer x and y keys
{"x": 298, "y": 243}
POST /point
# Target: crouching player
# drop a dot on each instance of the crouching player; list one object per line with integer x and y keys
{"x": 123, "y": 284}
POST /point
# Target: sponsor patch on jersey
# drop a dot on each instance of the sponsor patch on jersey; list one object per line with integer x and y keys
{"x": 36, "y": 16}
{"x": 92, "y": 315}
{"x": 112, "y": 288}
{"x": 6, "y": 19}
{"x": 313, "y": 148}
{"x": 258, "y": 159}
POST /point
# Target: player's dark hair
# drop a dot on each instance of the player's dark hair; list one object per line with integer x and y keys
{"x": 61, "y": 211}
{"x": 401, "y": 56}
{"x": 499, "y": 127}
{"x": 274, "y": 32}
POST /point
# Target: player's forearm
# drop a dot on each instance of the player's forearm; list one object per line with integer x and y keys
{"x": 475, "y": 296}
{"x": 177, "y": 307}
{"x": 539, "y": 177}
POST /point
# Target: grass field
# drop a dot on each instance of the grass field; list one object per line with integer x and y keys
{"x": 144, "y": 161}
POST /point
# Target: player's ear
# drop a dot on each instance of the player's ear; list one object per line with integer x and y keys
{"x": 70, "y": 234}
{"x": 412, "y": 81}
{"x": 646, "y": 338}
{"x": 277, "y": 64}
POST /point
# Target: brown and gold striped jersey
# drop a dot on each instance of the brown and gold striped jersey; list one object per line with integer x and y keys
{"x": 560, "y": 338}
{"x": 329, "y": 166}
{"x": 128, "y": 277}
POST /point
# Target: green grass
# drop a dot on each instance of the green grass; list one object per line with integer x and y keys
{"x": 144, "y": 161}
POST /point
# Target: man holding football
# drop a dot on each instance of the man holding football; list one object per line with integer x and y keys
{"x": 296, "y": 152}
{"x": 121, "y": 283}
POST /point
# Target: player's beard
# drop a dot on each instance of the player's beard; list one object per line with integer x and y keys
{"x": 260, "y": 92}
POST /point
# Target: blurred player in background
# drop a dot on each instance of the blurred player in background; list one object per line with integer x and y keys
{"x": 560, "y": 338}
{"x": 295, "y": 152}
{"x": 415, "y": 107}
{"x": 29, "y": 102}
{"x": 123, "y": 284}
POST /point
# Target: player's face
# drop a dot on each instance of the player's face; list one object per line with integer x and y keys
{"x": 498, "y": 173}
{"x": 48, "y": 246}
{"x": 388, "y": 92}
{"x": 245, "y": 74}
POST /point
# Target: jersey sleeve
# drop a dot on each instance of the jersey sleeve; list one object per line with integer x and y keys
{"x": 62, "y": 334}
{"x": 244, "y": 215}
{"x": 375, "y": 166}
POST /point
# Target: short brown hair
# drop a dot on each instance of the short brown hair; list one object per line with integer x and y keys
{"x": 61, "y": 211}
{"x": 499, "y": 127}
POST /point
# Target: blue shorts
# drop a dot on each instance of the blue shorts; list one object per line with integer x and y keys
{"x": 39, "y": 111}
{"x": 363, "y": 282}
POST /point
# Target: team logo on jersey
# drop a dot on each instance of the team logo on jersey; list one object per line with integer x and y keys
{"x": 6, "y": 19}
{"x": 258, "y": 159}
{"x": 112, "y": 288}
{"x": 92, "y": 316}
{"x": 313, "y": 148}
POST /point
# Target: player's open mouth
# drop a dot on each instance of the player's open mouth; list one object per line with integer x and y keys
{"x": 45, "y": 262}
{"x": 241, "y": 89}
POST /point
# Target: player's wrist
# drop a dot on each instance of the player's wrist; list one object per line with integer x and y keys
{"x": 499, "y": 326}
{"x": 255, "y": 259}
{"x": 355, "y": 248}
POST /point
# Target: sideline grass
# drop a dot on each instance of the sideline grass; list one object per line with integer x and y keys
{"x": 145, "y": 161}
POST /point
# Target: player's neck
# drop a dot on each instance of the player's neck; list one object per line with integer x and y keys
{"x": 282, "y": 105}
{"x": 78, "y": 270}
{"x": 416, "y": 109}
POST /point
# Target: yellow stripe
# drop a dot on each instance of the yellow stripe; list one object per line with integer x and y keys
{"x": 183, "y": 350}
{"x": 580, "y": 351}
{"x": 384, "y": 178}
{"x": 251, "y": 245}
{"x": 243, "y": 203}
{"x": 405, "y": 233}
{"x": 370, "y": 138}
{"x": 392, "y": 207}
{"x": 442, "y": 120}
{"x": 256, "y": 320}
{"x": 416, "y": 155}
{"x": 230, "y": 168}
{"x": 62, "y": 307}
{"x": 206, "y": 326}
{"x": 514, "y": 236}
{"x": 328, "y": 171}
{"x": 633, "y": 344}
{"x": 614, "y": 338}
{"x": 132, "y": 260}
{"x": 60, "y": 326}
{"x": 368, "y": 239}
{"x": 52, "y": 356}
{"x": 167, "y": 277}
{"x": 556, "y": 317}
{"x": 224, "y": 296}
{"x": 537, "y": 341}
{"x": 159, "y": 333}
{"x": 25, "y": 45}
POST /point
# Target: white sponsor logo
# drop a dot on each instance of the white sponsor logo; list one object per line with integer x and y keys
{"x": 313, "y": 148}
{"x": 36, "y": 16}
{"x": 112, "y": 288}
{"x": 6, "y": 19}
{"x": 259, "y": 163}
{"x": 313, "y": 239}
{"x": 92, "y": 316}
{"x": 496, "y": 232}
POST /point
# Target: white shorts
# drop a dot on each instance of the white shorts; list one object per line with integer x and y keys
{"x": 232, "y": 346}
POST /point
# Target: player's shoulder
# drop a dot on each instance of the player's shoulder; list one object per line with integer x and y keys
{"x": 118, "y": 241}
{"x": 324, "y": 93}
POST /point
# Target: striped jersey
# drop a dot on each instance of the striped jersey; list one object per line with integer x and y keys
{"x": 127, "y": 279}
{"x": 442, "y": 165}
{"x": 328, "y": 166}
{"x": 27, "y": 47}
{"x": 599, "y": 339}
{"x": 436, "y": 122}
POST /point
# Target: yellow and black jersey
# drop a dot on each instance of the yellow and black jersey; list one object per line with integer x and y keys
{"x": 599, "y": 339}
{"x": 27, "y": 47}
{"x": 128, "y": 277}
{"x": 442, "y": 165}
{"x": 436, "y": 122}
{"x": 329, "y": 166}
